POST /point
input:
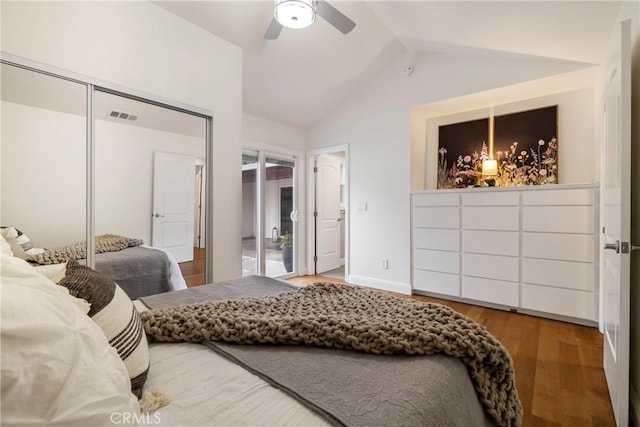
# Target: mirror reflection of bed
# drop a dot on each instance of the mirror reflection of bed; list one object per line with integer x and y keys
{"x": 44, "y": 176}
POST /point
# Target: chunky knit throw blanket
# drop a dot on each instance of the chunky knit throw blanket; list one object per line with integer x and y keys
{"x": 104, "y": 243}
{"x": 348, "y": 317}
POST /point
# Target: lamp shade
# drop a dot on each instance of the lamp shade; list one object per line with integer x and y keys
{"x": 295, "y": 14}
{"x": 489, "y": 167}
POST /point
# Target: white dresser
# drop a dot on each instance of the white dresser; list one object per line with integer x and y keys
{"x": 532, "y": 249}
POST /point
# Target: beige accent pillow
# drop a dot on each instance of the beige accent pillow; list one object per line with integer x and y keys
{"x": 55, "y": 272}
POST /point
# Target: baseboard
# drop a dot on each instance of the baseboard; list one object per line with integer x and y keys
{"x": 634, "y": 407}
{"x": 384, "y": 285}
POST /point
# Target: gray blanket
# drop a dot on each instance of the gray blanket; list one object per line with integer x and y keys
{"x": 138, "y": 270}
{"x": 103, "y": 243}
{"x": 352, "y": 388}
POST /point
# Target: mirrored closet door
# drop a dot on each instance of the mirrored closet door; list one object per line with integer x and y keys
{"x": 150, "y": 170}
{"x": 83, "y": 159}
{"x": 44, "y": 158}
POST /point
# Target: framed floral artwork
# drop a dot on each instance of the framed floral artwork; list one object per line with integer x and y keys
{"x": 462, "y": 147}
{"x": 524, "y": 144}
{"x": 526, "y": 147}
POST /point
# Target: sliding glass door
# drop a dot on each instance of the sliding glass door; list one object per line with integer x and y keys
{"x": 269, "y": 214}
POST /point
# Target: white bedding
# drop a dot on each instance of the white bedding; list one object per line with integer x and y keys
{"x": 206, "y": 389}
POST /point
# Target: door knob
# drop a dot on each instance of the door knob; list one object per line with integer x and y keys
{"x": 613, "y": 246}
{"x": 159, "y": 216}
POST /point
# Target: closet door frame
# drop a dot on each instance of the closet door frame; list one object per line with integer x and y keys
{"x": 94, "y": 85}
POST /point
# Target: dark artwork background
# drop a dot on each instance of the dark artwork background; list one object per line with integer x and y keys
{"x": 459, "y": 142}
{"x": 525, "y": 147}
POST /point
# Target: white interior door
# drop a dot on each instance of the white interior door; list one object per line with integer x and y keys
{"x": 328, "y": 213}
{"x": 616, "y": 210}
{"x": 173, "y": 204}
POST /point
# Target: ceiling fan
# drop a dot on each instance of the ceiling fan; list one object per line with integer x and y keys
{"x": 299, "y": 14}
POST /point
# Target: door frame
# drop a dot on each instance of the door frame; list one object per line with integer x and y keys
{"x": 263, "y": 151}
{"x": 311, "y": 201}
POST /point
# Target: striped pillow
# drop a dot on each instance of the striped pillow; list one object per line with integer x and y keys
{"x": 114, "y": 312}
{"x": 21, "y": 245}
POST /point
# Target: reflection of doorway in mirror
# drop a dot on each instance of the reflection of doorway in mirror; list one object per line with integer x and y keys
{"x": 124, "y": 168}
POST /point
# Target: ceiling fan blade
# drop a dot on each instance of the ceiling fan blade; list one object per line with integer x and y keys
{"x": 334, "y": 17}
{"x": 273, "y": 31}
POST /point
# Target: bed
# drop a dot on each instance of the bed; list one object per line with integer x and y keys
{"x": 64, "y": 361}
{"x": 225, "y": 384}
{"x": 139, "y": 269}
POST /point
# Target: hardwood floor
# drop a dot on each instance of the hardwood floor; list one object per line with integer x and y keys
{"x": 193, "y": 271}
{"x": 558, "y": 365}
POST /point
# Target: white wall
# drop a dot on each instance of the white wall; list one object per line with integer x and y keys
{"x": 576, "y": 142}
{"x": 376, "y": 124}
{"x": 44, "y": 174}
{"x": 141, "y": 46}
{"x": 124, "y": 175}
{"x": 263, "y": 131}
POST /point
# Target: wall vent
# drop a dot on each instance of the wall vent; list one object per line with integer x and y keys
{"x": 123, "y": 116}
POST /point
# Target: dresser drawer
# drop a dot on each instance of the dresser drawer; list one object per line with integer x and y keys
{"x": 491, "y": 242}
{"x": 560, "y": 219}
{"x": 436, "y": 217}
{"x": 433, "y": 281}
{"x": 566, "y": 247}
{"x": 436, "y": 200}
{"x": 561, "y": 274}
{"x": 436, "y": 238}
{"x": 444, "y": 262}
{"x": 565, "y": 302}
{"x": 580, "y": 196}
{"x": 491, "y": 218}
{"x": 491, "y": 267}
{"x": 495, "y": 291}
{"x": 491, "y": 199}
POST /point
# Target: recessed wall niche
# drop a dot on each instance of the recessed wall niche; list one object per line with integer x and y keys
{"x": 523, "y": 143}
{"x": 579, "y": 155}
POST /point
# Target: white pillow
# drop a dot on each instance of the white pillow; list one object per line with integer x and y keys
{"x": 57, "y": 366}
{"x": 55, "y": 272}
{"x": 5, "y": 247}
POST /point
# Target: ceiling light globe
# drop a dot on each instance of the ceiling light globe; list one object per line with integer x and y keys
{"x": 295, "y": 14}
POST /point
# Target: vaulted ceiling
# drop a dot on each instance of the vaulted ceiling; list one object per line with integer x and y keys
{"x": 298, "y": 78}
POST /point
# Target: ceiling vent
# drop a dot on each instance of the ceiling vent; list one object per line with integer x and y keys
{"x": 123, "y": 116}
